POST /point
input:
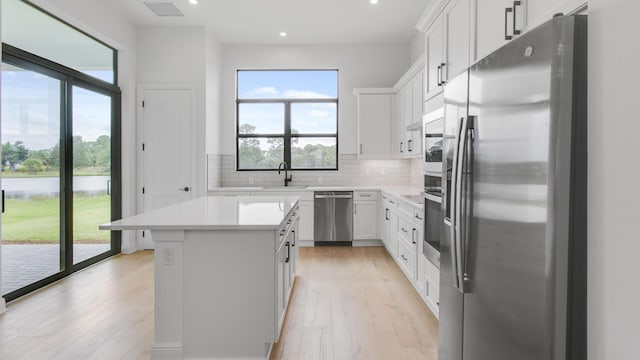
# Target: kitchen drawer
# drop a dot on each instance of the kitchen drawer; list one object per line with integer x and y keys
{"x": 406, "y": 233}
{"x": 393, "y": 202}
{"x": 365, "y": 195}
{"x": 407, "y": 260}
{"x": 431, "y": 271}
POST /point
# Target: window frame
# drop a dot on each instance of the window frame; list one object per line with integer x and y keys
{"x": 287, "y": 136}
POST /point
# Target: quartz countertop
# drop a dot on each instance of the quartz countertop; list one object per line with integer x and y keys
{"x": 213, "y": 213}
{"x": 396, "y": 191}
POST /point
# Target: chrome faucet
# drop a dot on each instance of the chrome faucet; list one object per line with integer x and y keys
{"x": 283, "y": 166}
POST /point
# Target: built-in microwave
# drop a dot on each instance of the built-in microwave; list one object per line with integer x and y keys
{"x": 433, "y": 129}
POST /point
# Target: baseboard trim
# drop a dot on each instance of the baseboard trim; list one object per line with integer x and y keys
{"x": 358, "y": 243}
{"x": 305, "y": 243}
{"x": 164, "y": 351}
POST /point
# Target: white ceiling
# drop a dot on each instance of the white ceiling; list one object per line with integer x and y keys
{"x": 305, "y": 21}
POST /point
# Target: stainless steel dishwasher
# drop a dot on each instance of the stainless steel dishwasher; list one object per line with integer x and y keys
{"x": 333, "y": 218}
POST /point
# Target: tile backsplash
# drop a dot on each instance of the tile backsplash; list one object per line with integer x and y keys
{"x": 221, "y": 171}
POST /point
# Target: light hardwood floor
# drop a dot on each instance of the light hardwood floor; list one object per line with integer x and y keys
{"x": 347, "y": 303}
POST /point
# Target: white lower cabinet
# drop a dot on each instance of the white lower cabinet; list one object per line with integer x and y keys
{"x": 403, "y": 231}
{"x": 286, "y": 266}
{"x": 407, "y": 259}
{"x": 365, "y": 215}
{"x": 431, "y": 285}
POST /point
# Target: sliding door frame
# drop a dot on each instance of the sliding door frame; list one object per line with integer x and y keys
{"x": 70, "y": 78}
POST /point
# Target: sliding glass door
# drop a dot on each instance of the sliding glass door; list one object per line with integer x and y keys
{"x": 91, "y": 143}
{"x": 60, "y": 173}
{"x": 32, "y": 246}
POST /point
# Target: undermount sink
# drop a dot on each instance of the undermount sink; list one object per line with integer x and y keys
{"x": 282, "y": 187}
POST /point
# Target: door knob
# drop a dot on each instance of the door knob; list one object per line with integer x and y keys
{"x": 185, "y": 189}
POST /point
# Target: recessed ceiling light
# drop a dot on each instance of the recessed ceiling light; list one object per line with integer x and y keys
{"x": 283, "y": 34}
{"x": 373, "y": 1}
{"x": 193, "y": 2}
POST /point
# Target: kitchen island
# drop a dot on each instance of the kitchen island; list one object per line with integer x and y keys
{"x": 224, "y": 269}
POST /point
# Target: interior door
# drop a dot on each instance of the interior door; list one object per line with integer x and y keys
{"x": 167, "y": 149}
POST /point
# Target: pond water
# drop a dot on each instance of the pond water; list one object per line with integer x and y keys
{"x": 19, "y": 188}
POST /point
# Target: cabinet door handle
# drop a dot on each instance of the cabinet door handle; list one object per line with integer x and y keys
{"x": 355, "y": 208}
{"x": 402, "y": 256}
{"x": 515, "y": 5}
{"x": 288, "y": 252}
{"x": 294, "y": 238}
{"x": 410, "y": 145}
{"x": 386, "y": 213}
{"x": 438, "y": 75}
{"x": 401, "y": 147}
{"x": 404, "y": 230}
{"x": 442, "y": 81}
{"x": 413, "y": 236}
{"x": 506, "y": 18}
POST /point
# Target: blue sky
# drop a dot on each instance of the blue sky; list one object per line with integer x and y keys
{"x": 255, "y": 84}
{"x": 296, "y": 84}
{"x": 31, "y": 110}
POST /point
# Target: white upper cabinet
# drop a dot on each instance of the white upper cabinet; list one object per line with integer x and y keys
{"x": 407, "y": 110}
{"x": 494, "y": 25}
{"x": 461, "y": 32}
{"x": 499, "y": 21}
{"x": 434, "y": 57}
{"x": 446, "y": 45}
{"x": 457, "y": 27}
{"x": 539, "y": 11}
{"x": 374, "y": 123}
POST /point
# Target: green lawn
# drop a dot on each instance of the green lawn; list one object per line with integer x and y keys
{"x": 37, "y": 220}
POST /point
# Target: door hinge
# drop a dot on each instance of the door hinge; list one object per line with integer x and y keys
{"x": 143, "y": 189}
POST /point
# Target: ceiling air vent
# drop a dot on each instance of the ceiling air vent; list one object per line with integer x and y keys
{"x": 164, "y": 8}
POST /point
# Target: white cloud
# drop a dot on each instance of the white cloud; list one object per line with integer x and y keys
{"x": 263, "y": 92}
{"x": 319, "y": 114}
{"x": 303, "y": 94}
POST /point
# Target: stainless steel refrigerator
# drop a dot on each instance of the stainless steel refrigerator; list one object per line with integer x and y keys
{"x": 513, "y": 245}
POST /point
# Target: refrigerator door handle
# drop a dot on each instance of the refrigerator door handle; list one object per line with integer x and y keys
{"x": 456, "y": 202}
{"x": 466, "y": 200}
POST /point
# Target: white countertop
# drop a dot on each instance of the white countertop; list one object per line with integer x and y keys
{"x": 396, "y": 191}
{"x": 213, "y": 213}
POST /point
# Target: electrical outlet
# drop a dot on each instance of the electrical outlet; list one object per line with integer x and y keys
{"x": 167, "y": 256}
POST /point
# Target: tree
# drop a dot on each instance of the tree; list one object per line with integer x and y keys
{"x": 32, "y": 165}
{"x": 14, "y": 154}
{"x": 81, "y": 154}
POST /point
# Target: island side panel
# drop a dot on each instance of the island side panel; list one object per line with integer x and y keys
{"x": 229, "y": 293}
{"x": 169, "y": 263}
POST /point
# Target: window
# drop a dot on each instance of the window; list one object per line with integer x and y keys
{"x": 287, "y": 115}
{"x": 28, "y": 28}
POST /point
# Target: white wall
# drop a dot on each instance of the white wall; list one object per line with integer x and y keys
{"x": 358, "y": 65}
{"x": 614, "y": 175}
{"x": 191, "y": 55}
{"x": 101, "y": 21}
